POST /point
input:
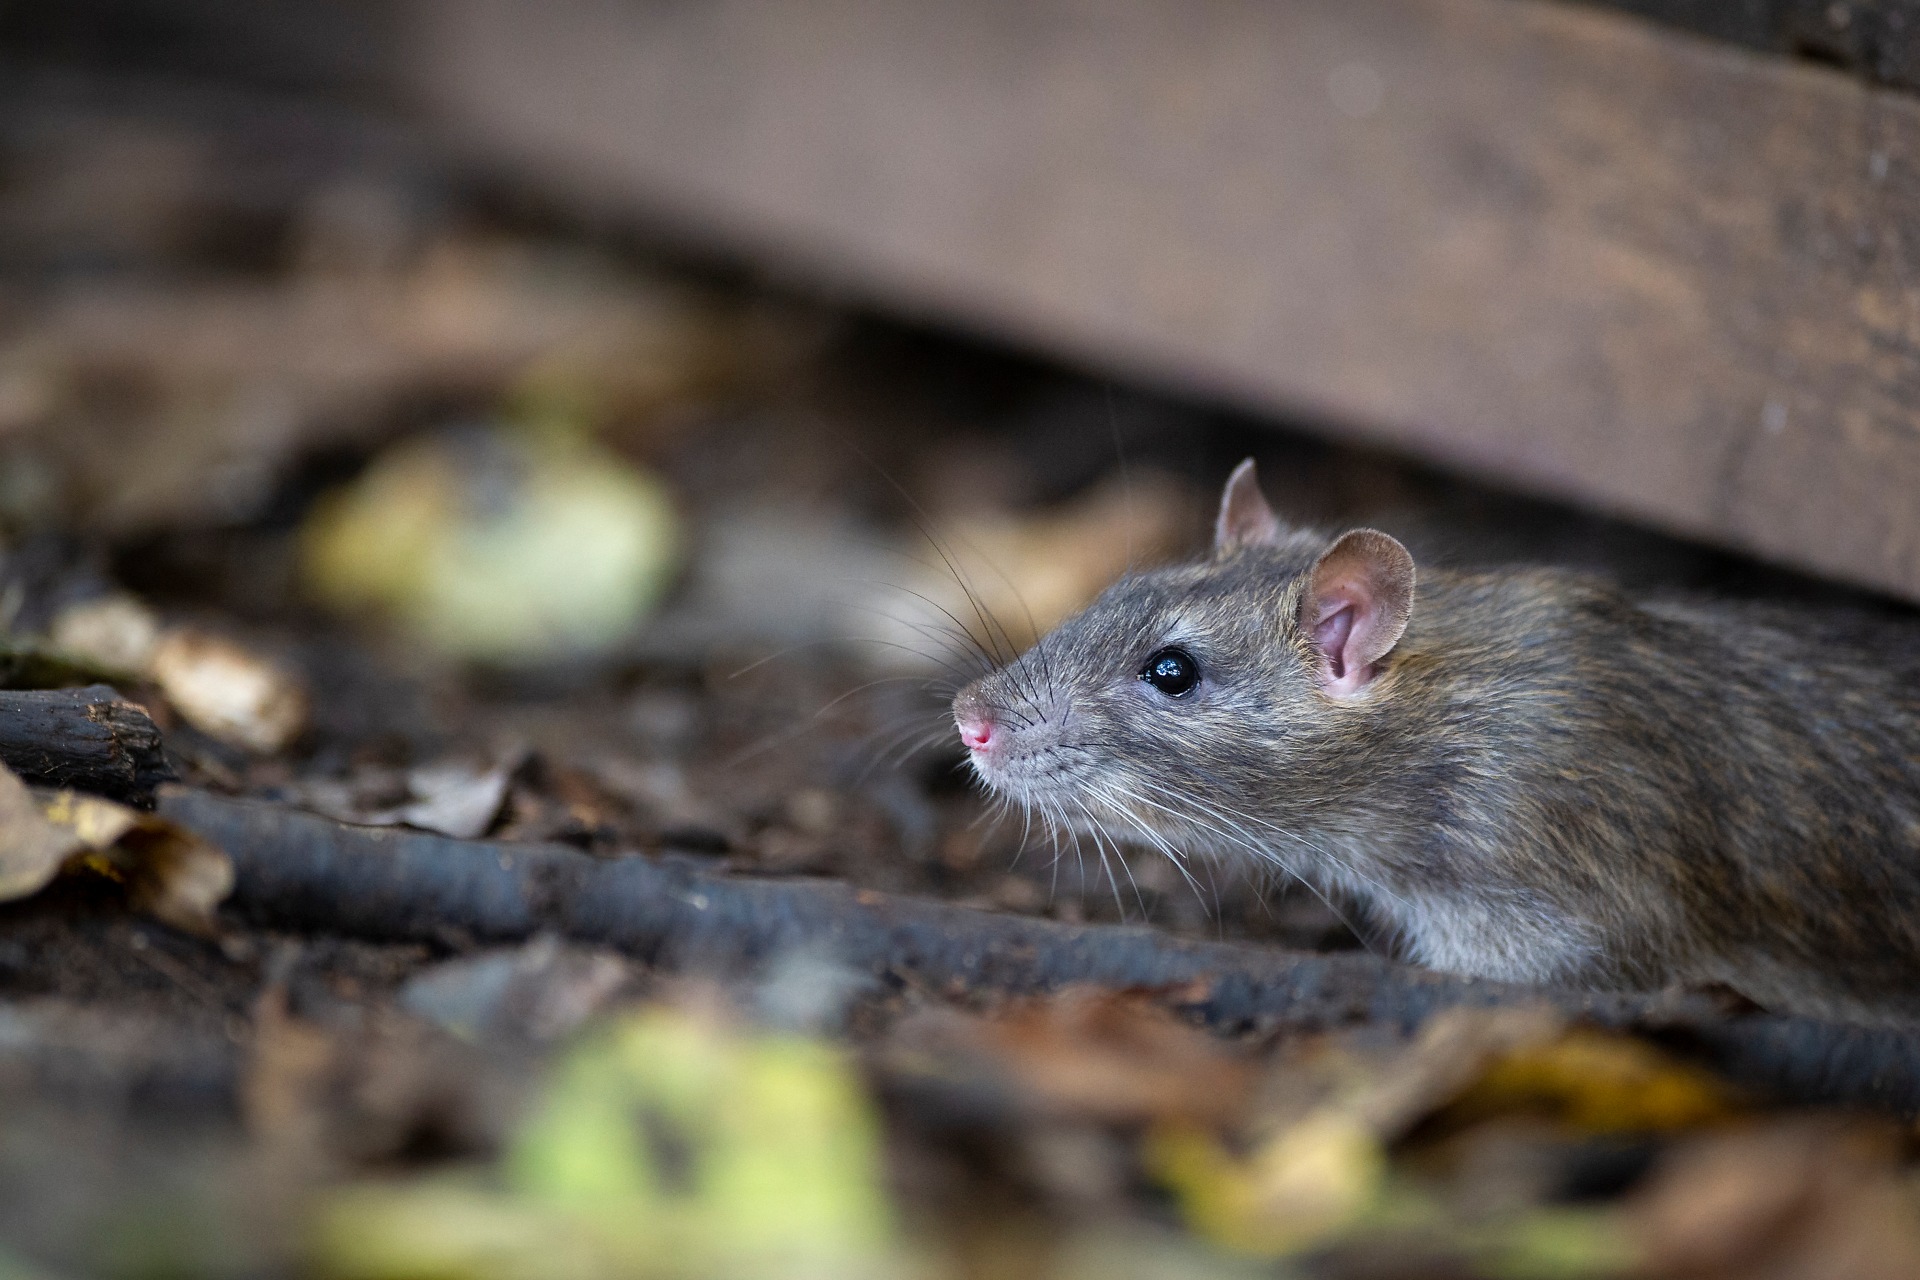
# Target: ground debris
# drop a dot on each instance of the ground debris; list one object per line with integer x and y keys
{"x": 455, "y": 796}
{"x": 300, "y": 870}
{"x": 1114, "y": 1057}
{"x": 221, "y": 687}
{"x": 1797, "y": 1198}
{"x": 667, "y": 1143}
{"x": 169, "y": 872}
{"x": 543, "y": 991}
{"x": 90, "y": 738}
{"x": 502, "y": 545}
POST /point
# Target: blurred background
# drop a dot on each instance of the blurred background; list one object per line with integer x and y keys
{"x": 624, "y": 424}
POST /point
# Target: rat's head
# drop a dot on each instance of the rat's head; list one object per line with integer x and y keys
{"x": 1180, "y": 694}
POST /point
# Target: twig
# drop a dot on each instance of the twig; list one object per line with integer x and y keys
{"x": 297, "y": 870}
{"x": 90, "y": 739}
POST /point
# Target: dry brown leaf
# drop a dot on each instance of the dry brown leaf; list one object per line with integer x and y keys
{"x": 32, "y": 849}
{"x": 1469, "y": 1064}
{"x": 229, "y": 692}
{"x": 170, "y": 873}
{"x": 221, "y": 688}
{"x": 1804, "y": 1198}
{"x": 1111, "y": 1057}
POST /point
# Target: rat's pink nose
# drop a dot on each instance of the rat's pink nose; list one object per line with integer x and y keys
{"x": 976, "y": 732}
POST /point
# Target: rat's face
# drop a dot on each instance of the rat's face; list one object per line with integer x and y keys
{"x": 1165, "y": 690}
{"x": 1179, "y": 699}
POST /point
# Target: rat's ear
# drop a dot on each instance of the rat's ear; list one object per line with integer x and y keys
{"x": 1245, "y": 519}
{"x": 1356, "y": 606}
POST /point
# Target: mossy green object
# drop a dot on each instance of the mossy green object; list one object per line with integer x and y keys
{"x": 667, "y": 1145}
{"x": 502, "y": 546}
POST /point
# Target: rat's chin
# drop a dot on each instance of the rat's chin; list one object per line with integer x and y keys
{"x": 991, "y": 771}
{"x": 1005, "y": 777}
{"x": 1021, "y": 779}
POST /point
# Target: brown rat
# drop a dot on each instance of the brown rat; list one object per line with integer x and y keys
{"x": 1522, "y": 775}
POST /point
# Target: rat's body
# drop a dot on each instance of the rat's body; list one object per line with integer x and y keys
{"x": 1525, "y": 775}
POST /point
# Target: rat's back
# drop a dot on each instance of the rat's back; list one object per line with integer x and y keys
{"x": 1704, "y": 791}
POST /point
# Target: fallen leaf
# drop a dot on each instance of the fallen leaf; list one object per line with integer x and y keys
{"x": 668, "y": 1144}
{"x": 170, "y": 873}
{"x": 1301, "y": 1188}
{"x": 113, "y": 633}
{"x": 1319, "y": 1142}
{"x": 497, "y": 545}
{"x": 1112, "y": 1057}
{"x": 227, "y": 691}
{"x": 1454, "y": 1049}
{"x": 1599, "y": 1082}
{"x": 766, "y": 1142}
{"x": 451, "y": 1229}
{"x": 1800, "y": 1198}
{"x": 456, "y": 798}
{"x": 32, "y": 849}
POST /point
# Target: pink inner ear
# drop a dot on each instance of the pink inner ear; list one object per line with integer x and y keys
{"x": 1360, "y": 599}
{"x": 1331, "y": 634}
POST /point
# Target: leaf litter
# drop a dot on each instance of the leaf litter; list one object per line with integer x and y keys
{"x": 166, "y": 870}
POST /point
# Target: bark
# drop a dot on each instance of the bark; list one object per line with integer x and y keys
{"x": 89, "y": 739}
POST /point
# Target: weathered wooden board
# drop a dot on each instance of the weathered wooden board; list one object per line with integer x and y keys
{"x": 1549, "y": 244}
{"x": 1876, "y": 39}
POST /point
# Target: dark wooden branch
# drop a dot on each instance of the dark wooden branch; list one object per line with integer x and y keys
{"x": 90, "y": 739}
{"x": 301, "y": 871}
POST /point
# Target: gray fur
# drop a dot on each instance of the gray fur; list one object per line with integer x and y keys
{"x": 1546, "y": 781}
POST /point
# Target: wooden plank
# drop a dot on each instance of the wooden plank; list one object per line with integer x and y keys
{"x": 1876, "y": 39}
{"x": 1551, "y": 245}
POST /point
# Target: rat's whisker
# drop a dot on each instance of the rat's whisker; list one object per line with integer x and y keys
{"x": 923, "y": 521}
{"x": 1116, "y": 799}
{"x": 783, "y": 737}
{"x": 958, "y": 633}
{"x": 1026, "y": 830}
{"x": 1100, "y": 846}
{"x": 961, "y": 675}
{"x": 900, "y": 745}
{"x": 1322, "y": 850}
{"x": 1226, "y": 829}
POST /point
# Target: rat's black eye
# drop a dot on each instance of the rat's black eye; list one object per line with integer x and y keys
{"x": 1172, "y": 671}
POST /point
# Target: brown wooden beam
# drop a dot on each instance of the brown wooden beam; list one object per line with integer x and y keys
{"x": 1554, "y": 246}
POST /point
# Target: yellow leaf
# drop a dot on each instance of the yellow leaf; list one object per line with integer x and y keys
{"x": 1300, "y": 1188}
{"x": 1601, "y": 1083}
